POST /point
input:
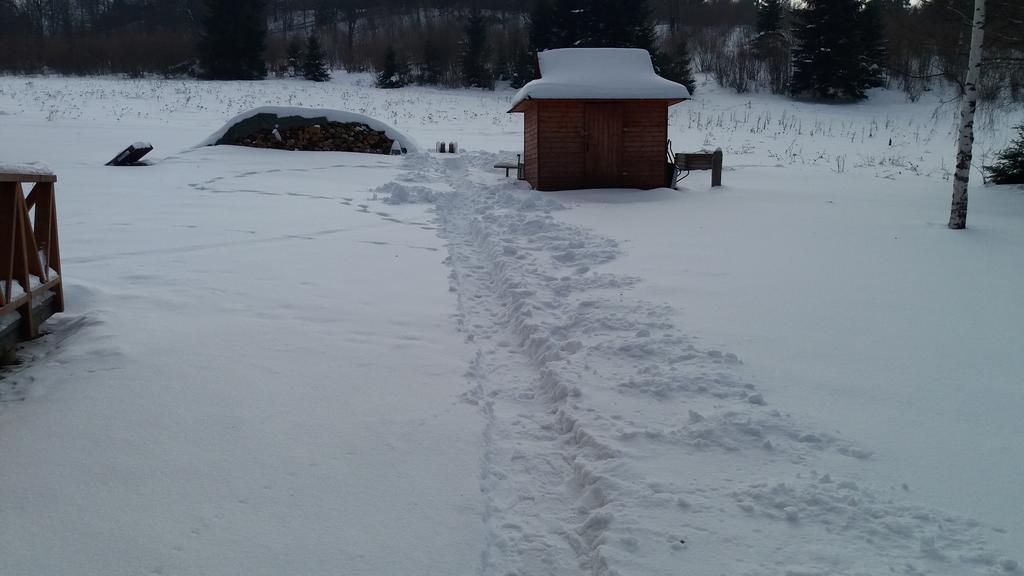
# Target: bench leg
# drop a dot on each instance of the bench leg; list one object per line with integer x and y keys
{"x": 716, "y": 168}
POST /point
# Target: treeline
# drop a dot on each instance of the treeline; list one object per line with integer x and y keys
{"x": 748, "y": 45}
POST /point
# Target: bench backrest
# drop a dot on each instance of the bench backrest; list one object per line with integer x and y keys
{"x": 695, "y": 161}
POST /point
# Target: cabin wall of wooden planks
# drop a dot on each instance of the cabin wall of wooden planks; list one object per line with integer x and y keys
{"x": 644, "y": 140}
{"x": 556, "y": 142}
{"x": 530, "y": 152}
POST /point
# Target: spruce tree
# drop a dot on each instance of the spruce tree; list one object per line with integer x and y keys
{"x": 675, "y": 66}
{"x": 543, "y": 34}
{"x": 1009, "y": 166}
{"x": 872, "y": 35}
{"x": 618, "y": 24}
{"x": 828, "y": 59}
{"x": 233, "y": 40}
{"x": 394, "y": 74}
{"x": 570, "y": 21}
{"x": 314, "y": 66}
{"x": 429, "y": 72}
{"x": 769, "y": 16}
{"x": 524, "y": 68}
{"x": 475, "y": 54}
{"x": 295, "y": 54}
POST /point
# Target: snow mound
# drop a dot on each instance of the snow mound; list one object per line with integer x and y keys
{"x": 599, "y": 74}
{"x": 396, "y": 193}
{"x": 406, "y": 142}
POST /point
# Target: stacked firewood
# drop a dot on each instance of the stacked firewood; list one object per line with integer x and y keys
{"x": 331, "y": 136}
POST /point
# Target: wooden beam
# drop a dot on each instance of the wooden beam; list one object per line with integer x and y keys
{"x": 18, "y": 177}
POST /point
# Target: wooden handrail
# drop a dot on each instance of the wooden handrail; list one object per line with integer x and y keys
{"x": 30, "y": 268}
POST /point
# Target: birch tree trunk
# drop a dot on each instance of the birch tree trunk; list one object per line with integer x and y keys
{"x": 965, "y": 141}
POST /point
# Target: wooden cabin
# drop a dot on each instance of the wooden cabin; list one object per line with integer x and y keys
{"x": 596, "y": 118}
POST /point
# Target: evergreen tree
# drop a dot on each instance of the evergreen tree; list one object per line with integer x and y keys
{"x": 524, "y": 68}
{"x": 618, "y": 24}
{"x": 772, "y": 45}
{"x": 543, "y": 34}
{"x": 828, "y": 59}
{"x": 872, "y": 36}
{"x": 394, "y": 74}
{"x": 233, "y": 40}
{"x": 430, "y": 68}
{"x": 769, "y": 16}
{"x": 314, "y": 66}
{"x": 569, "y": 22}
{"x": 475, "y": 54}
{"x": 1009, "y": 166}
{"x": 295, "y": 54}
{"x": 675, "y": 66}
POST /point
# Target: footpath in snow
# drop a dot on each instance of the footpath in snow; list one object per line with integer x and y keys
{"x": 617, "y": 444}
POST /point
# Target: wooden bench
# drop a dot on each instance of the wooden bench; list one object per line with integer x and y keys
{"x": 685, "y": 162}
{"x": 509, "y": 166}
{"x": 30, "y": 277}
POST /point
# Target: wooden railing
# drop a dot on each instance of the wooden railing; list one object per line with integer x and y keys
{"x": 30, "y": 281}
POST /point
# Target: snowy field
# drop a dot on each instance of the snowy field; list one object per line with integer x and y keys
{"x": 327, "y": 363}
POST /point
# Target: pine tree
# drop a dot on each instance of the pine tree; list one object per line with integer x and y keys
{"x": 542, "y": 35}
{"x": 524, "y": 68}
{"x": 233, "y": 40}
{"x": 872, "y": 36}
{"x": 314, "y": 66}
{"x": 475, "y": 53}
{"x": 675, "y": 66}
{"x": 618, "y": 24}
{"x": 394, "y": 74}
{"x": 1009, "y": 166}
{"x": 772, "y": 45}
{"x": 295, "y": 54}
{"x": 429, "y": 72}
{"x": 569, "y": 22}
{"x": 769, "y": 16}
{"x": 828, "y": 60}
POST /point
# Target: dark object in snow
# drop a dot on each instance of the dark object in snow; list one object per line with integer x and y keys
{"x": 307, "y": 134}
{"x": 508, "y": 166}
{"x": 683, "y": 163}
{"x": 30, "y": 289}
{"x": 132, "y": 155}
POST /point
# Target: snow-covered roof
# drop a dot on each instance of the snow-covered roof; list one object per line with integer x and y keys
{"x": 599, "y": 74}
{"x": 331, "y": 115}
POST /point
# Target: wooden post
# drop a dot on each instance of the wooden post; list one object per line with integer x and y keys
{"x": 716, "y": 168}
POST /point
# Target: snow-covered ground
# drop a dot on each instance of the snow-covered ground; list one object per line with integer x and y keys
{"x": 322, "y": 363}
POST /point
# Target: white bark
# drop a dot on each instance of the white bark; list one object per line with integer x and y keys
{"x": 965, "y": 141}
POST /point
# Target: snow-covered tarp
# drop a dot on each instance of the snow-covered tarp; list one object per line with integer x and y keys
{"x": 406, "y": 142}
{"x": 599, "y": 74}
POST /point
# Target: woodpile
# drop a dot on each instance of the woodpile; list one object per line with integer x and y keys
{"x": 324, "y": 137}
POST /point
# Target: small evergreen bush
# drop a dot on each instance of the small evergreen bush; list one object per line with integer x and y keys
{"x": 1009, "y": 166}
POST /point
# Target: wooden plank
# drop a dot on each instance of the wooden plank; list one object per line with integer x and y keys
{"x": 23, "y": 177}
{"x": 8, "y": 192}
